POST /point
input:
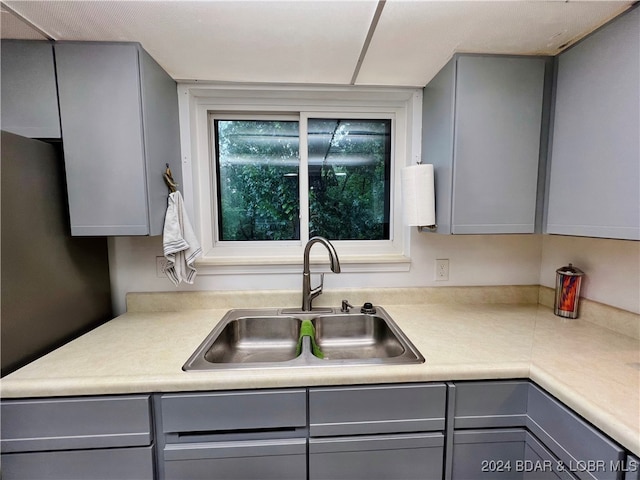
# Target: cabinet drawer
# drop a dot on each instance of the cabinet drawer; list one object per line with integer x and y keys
{"x": 570, "y": 438}
{"x": 491, "y": 404}
{"x": 242, "y": 460}
{"x": 99, "y": 464}
{"x": 376, "y": 409}
{"x": 238, "y": 410}
{"x": 408, "y": 456}
{"x": 73, "y": 423}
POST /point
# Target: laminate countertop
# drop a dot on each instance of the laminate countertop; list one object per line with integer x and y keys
{"x": 592, "y": 369}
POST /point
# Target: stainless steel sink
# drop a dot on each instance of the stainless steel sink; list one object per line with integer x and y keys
{"x": 268, "y": 338}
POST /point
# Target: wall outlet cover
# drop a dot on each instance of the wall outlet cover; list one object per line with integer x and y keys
{"x": 442, "y": 269}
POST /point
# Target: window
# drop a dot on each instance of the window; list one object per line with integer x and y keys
{"x": 270, "y": 167}
{"x": 349, "y": 178}
{"x": 257, "y": 179}
{"x": 257, "y": 170}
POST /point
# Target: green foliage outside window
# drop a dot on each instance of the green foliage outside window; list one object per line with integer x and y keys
{"x": 258, "y": 172}
{"x": 258, "y": 180}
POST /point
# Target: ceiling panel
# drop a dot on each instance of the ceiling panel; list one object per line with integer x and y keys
{"x": 414, "y": 39}
{"x": 12, "y": 26}
{"x": 315, "y": 41}
{"x": 235, "y": 41}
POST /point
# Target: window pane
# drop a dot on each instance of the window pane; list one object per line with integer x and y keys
{"x": 349, "y": 178}
{"x": 257, "y": 165}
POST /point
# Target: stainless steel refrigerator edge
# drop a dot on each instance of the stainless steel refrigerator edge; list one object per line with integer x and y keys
{"x": 54, "y": 286}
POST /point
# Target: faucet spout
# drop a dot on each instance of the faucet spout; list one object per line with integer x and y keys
{"x": 308, "y": 293}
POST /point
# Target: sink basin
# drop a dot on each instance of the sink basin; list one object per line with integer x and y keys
{"x": 356, "y": 336}
{"x": 268, "y": 338}
{"x": 255, "y": 339}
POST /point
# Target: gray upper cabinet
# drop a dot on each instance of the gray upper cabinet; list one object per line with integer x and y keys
{"x": 594, "y": 180}
{"x": 29, "y": 97}
{"x": 482, "y": 124}
{"x": 119, "y": 116}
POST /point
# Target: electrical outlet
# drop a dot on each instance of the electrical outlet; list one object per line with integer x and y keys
{"x": 442, "y": 269}
{"x": 161, "y": 264}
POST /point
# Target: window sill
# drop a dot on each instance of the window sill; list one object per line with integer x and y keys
{"x": 291, "y": 264}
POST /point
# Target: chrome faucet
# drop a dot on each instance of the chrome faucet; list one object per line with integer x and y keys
{"x": 308, "y": 293}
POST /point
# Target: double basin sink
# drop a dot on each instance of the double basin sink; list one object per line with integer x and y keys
{"x": 270, "y": 338}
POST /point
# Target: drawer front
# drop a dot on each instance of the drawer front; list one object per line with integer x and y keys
{"x": 108, "y": 464}
{"x": 384, "y": 457}
{"x": 491, "y": 404}
{"x": 245, "y": 460}
{"x": 238, "y": 410}
{"x": 376, "y": 409}
{"x": 571, "y": 439}
{"x": 75, "y": 423}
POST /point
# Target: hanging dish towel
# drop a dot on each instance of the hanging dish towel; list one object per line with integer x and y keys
{"x": 181, "y": 248}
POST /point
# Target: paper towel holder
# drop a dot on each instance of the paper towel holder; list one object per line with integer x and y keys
{"x": 427, "y": 228}
{"x": 424, "y": 228}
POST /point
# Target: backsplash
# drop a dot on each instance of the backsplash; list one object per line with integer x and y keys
{"x": 616, "y": 319}
{"x": 177, "y": 301}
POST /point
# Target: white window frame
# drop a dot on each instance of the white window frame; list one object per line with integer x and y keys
{"x": 197, "y": 102}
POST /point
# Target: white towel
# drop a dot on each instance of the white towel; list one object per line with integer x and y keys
{"x": 181, "y": 247}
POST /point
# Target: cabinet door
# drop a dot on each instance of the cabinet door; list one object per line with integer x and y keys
{"x": 593, "y": 180}
{"x": 384, "y": 457}
{"x": 571, "y": 439}
{"x": 633, "y": 468}
{"x": 540, "y": 464}
{"x": 497, "y": 144}
{"x": 29, "y": 97}
{"x": 100, "y": 464}
{"x": 283, "y": 459}
{"x": 482, "y": 128}
{"x": 488, "y": 454}
{"x": 100, "y": 110}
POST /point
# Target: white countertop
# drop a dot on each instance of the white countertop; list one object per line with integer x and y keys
{"x": 592, "y": 369}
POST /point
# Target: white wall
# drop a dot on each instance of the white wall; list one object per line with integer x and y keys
{"x": 474, "y": 260}
{"x": 612, "y": 267}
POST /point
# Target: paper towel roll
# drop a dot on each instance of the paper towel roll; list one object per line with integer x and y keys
{"x": 418, "y": 195}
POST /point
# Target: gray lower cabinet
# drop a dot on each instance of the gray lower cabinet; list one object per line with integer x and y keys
{"x": 594, "y": 162}
{"x": 83, "y": 438}
{"x": 103, "y": 464}
{"x": 29, "y": 95}
{"x": 119, "y": 116}
{"x": 504, "y": 454}
{"x": 500, "y": 423}
{"x": 482, "y": 128}
{"x": 383, "y": 457}
{"x": 377, "y": 432}
{"x": 632, "y": 468}
{"x": 282, "y": 459}
{"x": 235, "y": 435}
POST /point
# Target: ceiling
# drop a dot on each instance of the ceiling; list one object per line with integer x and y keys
{"x": 361, "y": 42}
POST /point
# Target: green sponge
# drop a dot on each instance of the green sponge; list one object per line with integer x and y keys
{"x": 307, "y": 330}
